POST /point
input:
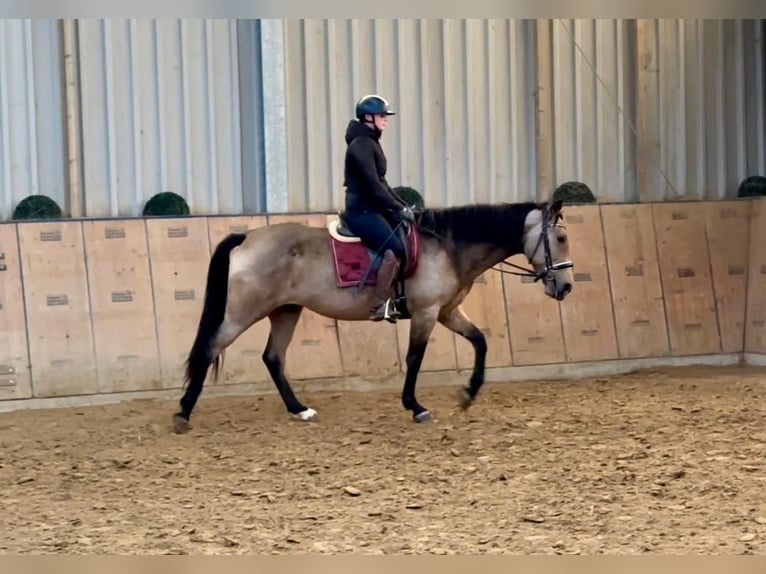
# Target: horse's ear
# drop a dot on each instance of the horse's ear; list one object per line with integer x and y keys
{"x": 555, "y": 207}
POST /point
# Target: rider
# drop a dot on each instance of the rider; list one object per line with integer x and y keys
{"x": 373, "y": 209}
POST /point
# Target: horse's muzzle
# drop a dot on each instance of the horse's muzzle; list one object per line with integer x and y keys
{"x": 565, "y": 290}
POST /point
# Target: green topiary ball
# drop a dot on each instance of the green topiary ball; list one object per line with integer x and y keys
{"x": 37, "y": 207}
{"x": 410, "y": 195}
{"x": 753, "y": 186}
{"x": 166, "y": 203}
{"x": 574, "y": 192}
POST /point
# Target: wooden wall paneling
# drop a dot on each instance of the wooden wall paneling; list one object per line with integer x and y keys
{"x": 15, "y": 380}
{"x": 686, "y": 282}
{"x": 122, "y": 305}
{"x": 589, "y": 331}
{"x": 179, "y": 254}
{"x": 755, "y": 327}
{"x": 61, "y": 349}
{"x": 634, "y": 275}
{"x": 728, "y": 236}
{"x": 534, "y": 319}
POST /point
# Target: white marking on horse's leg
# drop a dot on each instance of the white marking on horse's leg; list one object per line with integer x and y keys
{"x": 424, "y": 417}
{"x": 308, "y": 415}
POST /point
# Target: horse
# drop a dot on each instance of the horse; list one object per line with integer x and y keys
{"x": 278, "y": 270}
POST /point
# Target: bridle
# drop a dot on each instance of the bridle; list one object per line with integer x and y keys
{"x": 550, "y": 267}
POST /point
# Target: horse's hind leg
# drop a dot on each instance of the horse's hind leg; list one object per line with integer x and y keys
{"x": 457, "y": 322}
{"x": 199, "y": 363}
{"x": 283, "y": 322}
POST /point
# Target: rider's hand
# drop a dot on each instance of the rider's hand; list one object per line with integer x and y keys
{"x": 407, "y": 214}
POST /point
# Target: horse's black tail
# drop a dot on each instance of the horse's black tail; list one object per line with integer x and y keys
{"x": 212, "y": 316}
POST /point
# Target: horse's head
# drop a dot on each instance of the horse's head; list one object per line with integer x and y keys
{"x": 547, "y": 248}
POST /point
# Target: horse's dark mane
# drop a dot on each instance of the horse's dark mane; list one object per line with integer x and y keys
{"x": 498, "y": 224}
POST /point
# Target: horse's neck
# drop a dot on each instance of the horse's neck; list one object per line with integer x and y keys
{"x": 478, "y": 258}
{"x": 475, "y": 240}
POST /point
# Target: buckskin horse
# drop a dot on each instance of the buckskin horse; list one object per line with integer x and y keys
{"x": 278, "y": 270}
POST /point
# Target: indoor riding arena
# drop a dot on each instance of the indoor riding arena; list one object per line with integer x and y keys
{"x": 628, "y": 418}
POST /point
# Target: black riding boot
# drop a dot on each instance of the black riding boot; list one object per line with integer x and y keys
{"x": 383, "y": 306}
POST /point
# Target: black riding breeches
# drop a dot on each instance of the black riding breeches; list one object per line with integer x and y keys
{"x": 375, "y": 231}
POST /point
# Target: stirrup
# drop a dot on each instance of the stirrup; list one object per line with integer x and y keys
{"x": 390, "y": 312}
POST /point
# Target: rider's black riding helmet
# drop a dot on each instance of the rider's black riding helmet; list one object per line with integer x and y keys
{"x": 373, "y": 104}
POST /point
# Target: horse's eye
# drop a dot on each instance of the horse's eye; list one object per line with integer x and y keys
{"x": 561, "y": 238}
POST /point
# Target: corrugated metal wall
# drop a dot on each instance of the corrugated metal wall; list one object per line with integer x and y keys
{"x": 160, "y": 111}
{"x": 508, "y": 110}
{"x": 31, "y": 114}
{"x": 464, "y": 90}
{"x": 250, "y": 115}
{"x": 585, "y": 73}
{"x": 700, "y": 89}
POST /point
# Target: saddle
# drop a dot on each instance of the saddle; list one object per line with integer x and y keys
{"x": 343, "y": 240}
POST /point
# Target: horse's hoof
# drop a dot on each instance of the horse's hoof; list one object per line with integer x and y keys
{"x": 180, "y": 424}
{"x": 424, "y": 417}
{"x": 465, "y": 399}
{"x": 308, "y": 415}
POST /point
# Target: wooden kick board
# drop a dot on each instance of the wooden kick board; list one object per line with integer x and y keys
{"x": 686, "y": 283}
{"x": 367, "y": 348}
{"x": 58, "y": 309}
{"x": 179, "y": 251}
{"x": 534, "y": 319}
{"x": 314, "y": 351}
{"x": 728, "y": 228}
{"x": 220, "y": 227}
{"x": 14, "y": 353}
{"x": 755, "y": 328}
{"x": 485, "y": 307}
{"x": 634, "y": 274}
{"x": 243, "y": 362}
{"x": 122, "y": 305}
{"x": 586, "y": 314}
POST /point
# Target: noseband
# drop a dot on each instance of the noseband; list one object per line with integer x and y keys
{"x": 550, "y": 267}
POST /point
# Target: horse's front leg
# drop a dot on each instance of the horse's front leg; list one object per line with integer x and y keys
{"x": 457, "y": 322}
{"x": 421, "y": 325}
